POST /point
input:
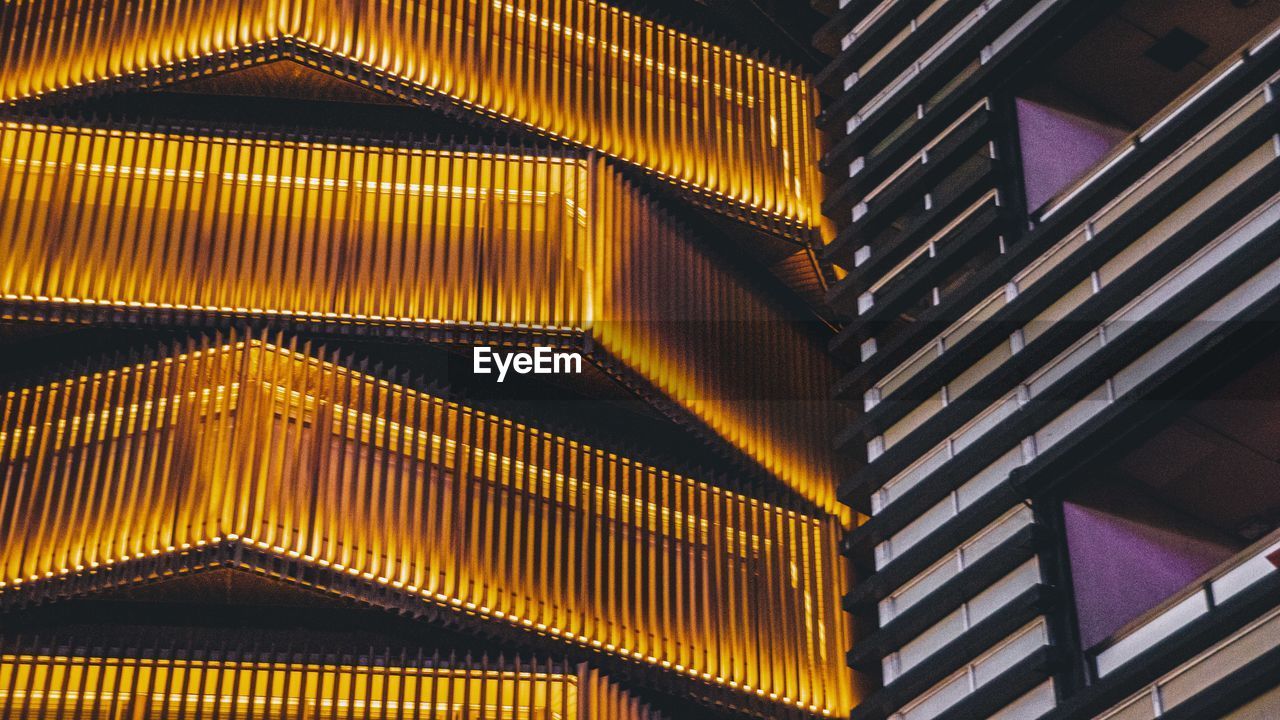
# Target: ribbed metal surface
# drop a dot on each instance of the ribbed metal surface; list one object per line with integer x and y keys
{"x": 281, "y": 451}
{"x": 478, "y": 247}
{"x": 731, "y": 128}
{"x": 74, "y": 680}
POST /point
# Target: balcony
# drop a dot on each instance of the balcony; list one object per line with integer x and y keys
{"x": 977, "y": 338}
{"x": 1199, "y": 600}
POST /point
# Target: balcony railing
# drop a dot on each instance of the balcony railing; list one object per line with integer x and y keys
{"x": 1220, "y": 74}
{"x": 1043, "y": 265}
{"x": 1198, "y": 600}
{"x": 1248, "y": 230}
{"x": 1199, "y": 673}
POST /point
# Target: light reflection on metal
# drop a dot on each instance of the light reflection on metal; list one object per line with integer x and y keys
{"x": 468, "y": 247}
{"x": 325, "y": 476}
{"x": 162, "y": 683}
{"x": 732, "y": 129}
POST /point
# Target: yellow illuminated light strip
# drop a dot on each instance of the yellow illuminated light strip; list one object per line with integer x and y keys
{"x": 733, "y": 128}
{"x": 481, "y": 244}
{"x": 305, "y": 459}
{"x": 48, "y": 686}
{"x": 294, "y": 181}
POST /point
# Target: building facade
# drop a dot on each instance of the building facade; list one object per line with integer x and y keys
{"x": 247, "y": 468}
{"x": 1058, "y": 224}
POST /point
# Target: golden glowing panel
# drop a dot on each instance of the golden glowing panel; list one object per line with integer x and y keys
{"x": 461, "y": 247}
{"x": 731, "y": 128}
{"x": 156, "y": 685}
{"x": 300, "y": 459}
